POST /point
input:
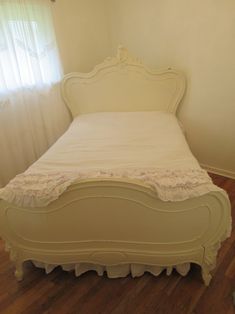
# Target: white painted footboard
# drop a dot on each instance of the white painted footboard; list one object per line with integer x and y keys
{"x": 113, "y": 222}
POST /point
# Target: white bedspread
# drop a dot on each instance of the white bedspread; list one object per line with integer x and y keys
{"x": 119, "y": 140}
{"x": 146, "y": 146}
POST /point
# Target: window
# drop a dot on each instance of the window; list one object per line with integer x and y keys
{"x": 28, "y": 51}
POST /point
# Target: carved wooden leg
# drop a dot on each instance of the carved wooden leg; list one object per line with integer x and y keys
{"x": 206, "y": 275}
{"x": 209, "y": 262}
{"x": 16, "y": 259}
{"x": 19, "y": 273}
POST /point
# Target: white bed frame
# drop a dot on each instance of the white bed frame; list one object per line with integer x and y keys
{"x": 114, "y": 222}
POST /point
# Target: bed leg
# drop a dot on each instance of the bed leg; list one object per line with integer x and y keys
{"x": 18, "y": 262}
{"x": 19, "y": 273}
{"x": 209, "y": 262}
{"x": 206, "y": 275}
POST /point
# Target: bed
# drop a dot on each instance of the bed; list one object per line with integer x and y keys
{"x": 115, "y": 213}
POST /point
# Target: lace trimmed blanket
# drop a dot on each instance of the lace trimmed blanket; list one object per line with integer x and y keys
{"x": 33, "y": 189}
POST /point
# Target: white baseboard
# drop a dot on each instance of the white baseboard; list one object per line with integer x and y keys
{"x": 221, "y": 172}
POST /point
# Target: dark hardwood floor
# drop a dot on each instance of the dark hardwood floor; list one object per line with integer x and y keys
{"x": 62, "y": 293}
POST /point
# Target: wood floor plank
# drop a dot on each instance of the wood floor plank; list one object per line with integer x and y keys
{"x": 63, "y": 293}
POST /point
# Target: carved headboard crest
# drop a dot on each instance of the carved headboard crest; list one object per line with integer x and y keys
{"x": 123, "y": 83}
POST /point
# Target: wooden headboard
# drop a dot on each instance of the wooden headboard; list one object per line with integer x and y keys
{"x": 123, "y": 83}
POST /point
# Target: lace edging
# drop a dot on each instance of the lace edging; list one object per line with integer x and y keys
{"x": 40, "y": 189}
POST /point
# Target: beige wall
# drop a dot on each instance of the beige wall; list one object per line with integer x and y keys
{"x": 82, "y": 33}
{"x": 195, "y": 36}
{"x": 199, "y": 38}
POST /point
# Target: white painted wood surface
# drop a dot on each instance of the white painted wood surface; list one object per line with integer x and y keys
{"x": 123, "y": 83}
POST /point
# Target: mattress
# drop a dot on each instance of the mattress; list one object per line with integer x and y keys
{"x": 119, "y": 140}
{"x": 144, "y": 146}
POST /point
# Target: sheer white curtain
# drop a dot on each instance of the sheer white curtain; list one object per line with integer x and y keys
{"x": 32, "y": 114}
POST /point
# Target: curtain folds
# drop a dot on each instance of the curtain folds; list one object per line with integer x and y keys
{"x": 32, "y": 114}
{"x": 28, "y": 51}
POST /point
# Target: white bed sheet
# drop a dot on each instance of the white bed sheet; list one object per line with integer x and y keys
{"x": 147, "y": 146}
{"x": 119, "y": 140}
